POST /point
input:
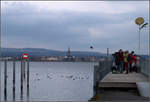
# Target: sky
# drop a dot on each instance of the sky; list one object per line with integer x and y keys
{"x": 58, "y": 25}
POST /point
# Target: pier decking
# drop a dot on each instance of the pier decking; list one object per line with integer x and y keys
{"x": 130, "y": 78}
{"x": 120, "y": 87}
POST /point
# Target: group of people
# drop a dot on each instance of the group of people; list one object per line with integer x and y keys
{"x": 124, "y": 61}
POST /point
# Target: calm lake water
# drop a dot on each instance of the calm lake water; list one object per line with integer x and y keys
{"x": 53, "y": 81}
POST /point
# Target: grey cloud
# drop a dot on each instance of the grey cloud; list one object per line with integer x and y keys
{"x": 27, "y": 27}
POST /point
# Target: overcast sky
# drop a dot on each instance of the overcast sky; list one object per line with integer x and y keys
{"x": 78, "y": 24}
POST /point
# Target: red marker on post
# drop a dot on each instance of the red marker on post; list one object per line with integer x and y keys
{"x": 25, "y": 56}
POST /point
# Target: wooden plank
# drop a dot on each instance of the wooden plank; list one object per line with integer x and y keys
{"x": 117, "y": 85}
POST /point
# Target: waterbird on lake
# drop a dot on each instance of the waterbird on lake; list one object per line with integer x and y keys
{"x": 48, "y": 76}
{"x": 69, "y": 77}
{"x": 76, "y": 77}
{"x": 61, "y": 76}
{"x": 87, "y": 77}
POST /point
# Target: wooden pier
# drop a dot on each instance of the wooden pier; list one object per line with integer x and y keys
{"x": 120, "y": 87}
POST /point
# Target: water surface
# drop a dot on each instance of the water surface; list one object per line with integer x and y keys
{"x": 53, "y": 81}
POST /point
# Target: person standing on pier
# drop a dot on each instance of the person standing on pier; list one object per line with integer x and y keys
{"x": 117, "y": 61}
{"x": 115, "y": 66}
{"x": 134, "y": 66}
{"x": 121, "y": 59}
{"x": 130, "y": 60}
{"x": 126, "y": 61}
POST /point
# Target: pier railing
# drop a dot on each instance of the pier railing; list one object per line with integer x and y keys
{"x": 145, "y": 66}
{"x": 100, "y": 71}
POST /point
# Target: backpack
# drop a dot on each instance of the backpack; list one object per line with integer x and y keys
{"x": 129, "y": 58}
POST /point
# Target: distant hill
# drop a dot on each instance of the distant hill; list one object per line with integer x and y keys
{"x": 37, "y": 52}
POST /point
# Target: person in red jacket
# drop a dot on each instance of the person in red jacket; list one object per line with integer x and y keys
{"x": 134, "y": 63}
{"x": 134, "y": 59}
{"x": 130, "y": 59}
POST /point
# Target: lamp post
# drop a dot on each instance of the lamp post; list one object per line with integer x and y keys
{"x": 139, "y": 21}
{"x": 107, "y": 53}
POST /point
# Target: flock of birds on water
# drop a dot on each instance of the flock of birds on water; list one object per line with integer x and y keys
{"x": 71, "y": 77}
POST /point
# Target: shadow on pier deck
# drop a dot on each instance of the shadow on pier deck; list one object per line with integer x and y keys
{"x": 119, "y": 87}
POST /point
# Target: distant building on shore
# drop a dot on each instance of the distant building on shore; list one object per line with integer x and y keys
{"x": 68, "y": 56}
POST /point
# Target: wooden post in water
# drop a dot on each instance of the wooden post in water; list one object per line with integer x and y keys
{"x": 24, "y": 69}
{"x": 0, "y": 74}
{"x": 21, "y": 88}
{"x": 14, "y": 79}
{"x": 28, "y": 79}
{"x": 5, "y": 80}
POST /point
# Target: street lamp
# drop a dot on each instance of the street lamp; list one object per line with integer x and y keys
{"x": 139, "y": 21}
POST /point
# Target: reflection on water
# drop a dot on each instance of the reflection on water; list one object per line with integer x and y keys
{"x": 51, "y": 81}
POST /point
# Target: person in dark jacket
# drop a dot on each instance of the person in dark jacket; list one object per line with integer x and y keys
{"x": 121, "y": 59}
{"x": 117, "y": 61}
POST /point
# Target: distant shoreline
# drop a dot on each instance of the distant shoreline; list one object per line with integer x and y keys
{"x": 47, "y": 61}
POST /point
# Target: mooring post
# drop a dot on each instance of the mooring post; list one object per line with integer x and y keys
{"x": 21, "y": 80}
{"x": 28, "y": 76}
{"x": 5, "y": 80}
{"x": 0, "y": 77}
{"x": 0, "y": 74}
{"x": 24, "y": 69}
{"x": 14, "y": 79}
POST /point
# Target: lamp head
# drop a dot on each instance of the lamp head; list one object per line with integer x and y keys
{"x": 139, "y": 20}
